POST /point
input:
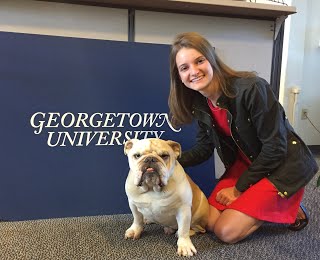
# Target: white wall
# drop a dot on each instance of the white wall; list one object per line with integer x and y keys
{"x": 303, "y": 66}
{"x": 60, "y": 19}
{"x": 232, "y": 38}
{"x": 311, "y": 74}
{"x": 293, "y": 55}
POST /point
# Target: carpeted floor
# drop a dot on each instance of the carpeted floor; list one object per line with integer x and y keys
{"x": 102, "y": 237}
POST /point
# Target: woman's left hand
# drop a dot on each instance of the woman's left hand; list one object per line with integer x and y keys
{"x": 227, "y": 195}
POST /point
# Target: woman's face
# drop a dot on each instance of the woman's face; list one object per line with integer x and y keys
{"x": 194, "y": 69}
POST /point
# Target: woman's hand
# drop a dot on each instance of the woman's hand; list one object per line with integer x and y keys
{"x": 227, "y": 195}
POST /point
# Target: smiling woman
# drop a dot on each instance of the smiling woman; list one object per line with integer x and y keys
{"x": 267, "y": 164}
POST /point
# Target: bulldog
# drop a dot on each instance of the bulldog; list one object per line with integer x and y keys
{"x": 159, "y": 191}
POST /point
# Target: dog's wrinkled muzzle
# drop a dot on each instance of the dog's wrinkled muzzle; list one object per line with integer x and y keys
{"x": 150, "y": 176}
{"x": 150, "y": 172}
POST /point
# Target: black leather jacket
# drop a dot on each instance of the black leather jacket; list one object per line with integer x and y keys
{"x": 261, "y": 131}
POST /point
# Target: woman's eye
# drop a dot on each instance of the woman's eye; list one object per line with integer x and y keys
{"x": 183, "y": 68}
{"x": 137, "y": 155}
{"x": 201, "y": 60}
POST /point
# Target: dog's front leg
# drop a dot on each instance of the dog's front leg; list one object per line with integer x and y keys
{"x": 136, "y": 228}
{"x": 185, "y": 246}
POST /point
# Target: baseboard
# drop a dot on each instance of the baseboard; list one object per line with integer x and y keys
{"x": 315, "y": 149}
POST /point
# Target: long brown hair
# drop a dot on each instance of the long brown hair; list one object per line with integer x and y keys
{"x": 180, "y": 97}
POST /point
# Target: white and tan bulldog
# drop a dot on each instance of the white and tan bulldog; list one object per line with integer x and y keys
{"x": 159, "y": 191}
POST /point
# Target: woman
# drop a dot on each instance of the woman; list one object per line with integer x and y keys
{"x": 267, "y": 164}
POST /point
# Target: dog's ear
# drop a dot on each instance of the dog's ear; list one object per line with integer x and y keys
{"x": 128, "y": 145}
{"x": 176, "y": 147}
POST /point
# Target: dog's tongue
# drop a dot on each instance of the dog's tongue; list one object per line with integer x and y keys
{"x": 150, "y": 169}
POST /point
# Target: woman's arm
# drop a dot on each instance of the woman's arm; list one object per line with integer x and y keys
{"x": 201, "y": 151}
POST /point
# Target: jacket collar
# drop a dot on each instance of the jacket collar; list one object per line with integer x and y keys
{"x": 200, "y": 102}
{"x": 202, "y": 112}
{"x": 224, "y": 102}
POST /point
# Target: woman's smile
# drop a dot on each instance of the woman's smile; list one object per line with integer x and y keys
{"x": 197, "y": 79}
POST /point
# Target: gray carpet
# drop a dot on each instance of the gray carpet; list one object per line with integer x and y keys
{"x": 102, "y": 237}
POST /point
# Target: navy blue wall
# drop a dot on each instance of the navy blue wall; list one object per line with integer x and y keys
{"x": 42, "y": 178}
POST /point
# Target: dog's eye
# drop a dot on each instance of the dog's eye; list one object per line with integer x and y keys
{"x": 137, "y": 155}
{"x": 164, "y": 156}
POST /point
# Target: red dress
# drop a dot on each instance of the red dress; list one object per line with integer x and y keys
{"x": 261, "y": 200}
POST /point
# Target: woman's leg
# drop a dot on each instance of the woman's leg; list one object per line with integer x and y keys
{"x": 231, "y": 226}
{"x": 214, "y": 214}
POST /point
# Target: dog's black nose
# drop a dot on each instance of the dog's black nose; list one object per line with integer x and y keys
{"x": 150, "y": 159}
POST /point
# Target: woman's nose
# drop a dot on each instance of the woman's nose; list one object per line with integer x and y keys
{"x": 194, "y": 70}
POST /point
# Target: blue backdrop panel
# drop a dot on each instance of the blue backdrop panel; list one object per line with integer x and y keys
{"x": 67, "y": 105}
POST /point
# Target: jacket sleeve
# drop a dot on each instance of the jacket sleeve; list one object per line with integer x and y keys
{"x": 266, "y": 115}
{"x": 201, "y": 151}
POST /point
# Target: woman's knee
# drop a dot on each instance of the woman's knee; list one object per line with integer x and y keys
{"x": 233, "y": 226}
{"x": 227, "y": 233}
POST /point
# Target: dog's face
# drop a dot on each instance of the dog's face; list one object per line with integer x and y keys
{"x": 152, "y": 160}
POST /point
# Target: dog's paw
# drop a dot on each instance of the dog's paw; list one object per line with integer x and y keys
{"x": 147, "y": 221}
{"x": 134, "y": 232}
{"x": 185, "y": 247}
{"x": 191, "y": 233}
